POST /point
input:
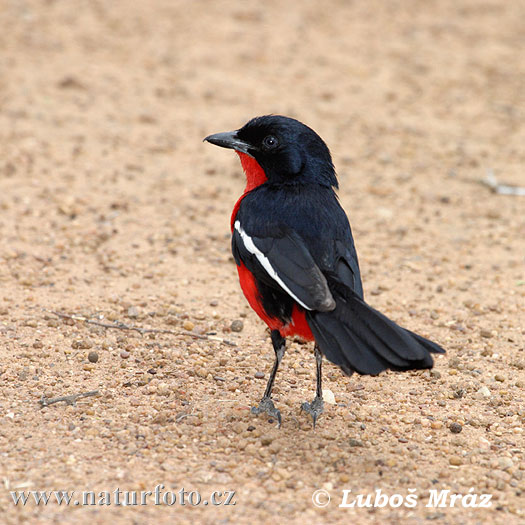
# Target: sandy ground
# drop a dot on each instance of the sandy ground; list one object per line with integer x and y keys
{"x": 113, "y": 208}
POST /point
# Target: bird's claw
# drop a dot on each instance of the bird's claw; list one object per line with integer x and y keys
{"x": 315, "y": 408}
{"x": 266, "y": 405}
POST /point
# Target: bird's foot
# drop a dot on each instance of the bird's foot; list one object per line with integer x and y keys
{"x": 315, "y": 408}
{"x": 266, "y": 405}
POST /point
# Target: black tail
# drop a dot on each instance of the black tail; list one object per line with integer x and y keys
{"x": 358, "y": 338}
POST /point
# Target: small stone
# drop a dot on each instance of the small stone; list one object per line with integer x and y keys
{"x": 70, "y": 82}
{"x": 499, "y": 377}
{"x": 82, "y": 344}
{"x": 188, "y": 325}
{"x": 88, "y": 367}
{"x": 486, "y": 333}
{"x": 124, "y": 354}
{"x": 237, "y": 326}
{"x": 505, "y": 463}
{"x": 458, "y": 393}
{"x": 483, "y": 392}
{"x": 92, "y": 357}
{"x": 266, "y": 440}
{"x": 259, "y": 375}
{"x": 455, "y": 428}
{"x": 133, "y": 312}
{"x": 163, "y": 389}
{"x": 238, "y": 428}
{"x": 355, "y": 442}
{"x": 436, "y": 425}
{"x": 484, "y": 444}
{"x": 454, "y": 362}
{"x": 38, "y": 344}
{"x": 455, "y": 460}
{"x": 328, "y": 397}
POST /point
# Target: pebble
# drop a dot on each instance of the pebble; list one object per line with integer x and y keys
{"x": 505, "y": 463}
{"x": 483, "y": 392}
{"x": 163, "y": 389}
{"x": 486, "y": 333}
{"x": 436, "y": 425}
{"x": 455, "y": 460}
{"x": 355, "y": 442}
{"x": 499, "y": 377}
{"x": 458, "y": 394}
{"x": 455, "y": 428}
{"x": 82, "y": 344}
{"x": 259, "y": 375}
{"x": 328, "y": 396}
{"x": 454, "y": 362}
{"x": 237, "y": 326}
{"x": 484, "y": 444}
{"x": 239, "y": 428}
{"x": 124, "y": 354}
{"x": 92, "y": 357}
{"x": 188, "y": 325}
{"x": 133, "y": 312}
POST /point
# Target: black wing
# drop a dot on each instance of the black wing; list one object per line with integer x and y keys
{"x": 346, "y": 267}
{"x": 283, "y": 262}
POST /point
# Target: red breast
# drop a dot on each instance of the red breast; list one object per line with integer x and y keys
{"x": 255, "y": 176}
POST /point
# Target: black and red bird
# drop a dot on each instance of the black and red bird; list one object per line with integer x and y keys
{"x": 297, "y": 261}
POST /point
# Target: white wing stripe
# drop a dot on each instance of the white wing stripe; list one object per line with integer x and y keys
{"x": 250, "y": 246}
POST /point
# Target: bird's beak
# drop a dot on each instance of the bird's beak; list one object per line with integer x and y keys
{"x": 229, "y": 139}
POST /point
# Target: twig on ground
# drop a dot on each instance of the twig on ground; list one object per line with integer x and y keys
{"x": 70, "y": 400}
{"x": 118, "y": 325}
{"x": 503, "y": 189}
{"x": 180, "y": 416}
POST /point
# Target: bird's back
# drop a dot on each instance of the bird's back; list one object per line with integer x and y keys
{"x": 313, "y": 212}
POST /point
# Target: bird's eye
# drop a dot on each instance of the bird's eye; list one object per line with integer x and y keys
{"x": 270, "y": 142}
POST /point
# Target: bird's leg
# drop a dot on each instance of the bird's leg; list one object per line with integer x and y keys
{"x": 316, "y": 407}
{"x": 266, "y": 404}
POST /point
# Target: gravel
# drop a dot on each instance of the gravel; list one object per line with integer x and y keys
{"x": 237, "y": 325}
{"x": 455, "y": 428}
{"x": 93, "y": 357}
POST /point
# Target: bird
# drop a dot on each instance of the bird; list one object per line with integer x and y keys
{"x": 297, "y": 262}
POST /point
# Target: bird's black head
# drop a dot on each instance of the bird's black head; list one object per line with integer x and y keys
{"x": 286, "y": 149}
